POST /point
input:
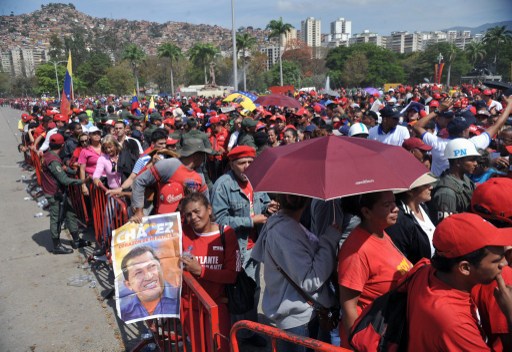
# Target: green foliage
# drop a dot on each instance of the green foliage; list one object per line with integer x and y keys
{"x": 277, "y": 28}
{"x": 475, "y": 52}
{"x": 355, "y": 69}
{"x": 291, "y": 74}
{"x": 382, "y": 65}
{"x": 103, "y": 86}
{"x": 92, "y": 70}
{"x": 495, "y": 37}
{"x": 46, "y": 80}
{"x": 202, "y": 54}
{"x": 120, "y": 79}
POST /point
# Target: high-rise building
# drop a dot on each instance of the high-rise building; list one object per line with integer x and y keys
{"x": 311, "y": 32}
{"x": 272, "y": 52}
{"x": 341, "y": 29}
{"x": 22, "y": 62}
{"x": 369, "y": 37}
{"x": 404, "y": 42}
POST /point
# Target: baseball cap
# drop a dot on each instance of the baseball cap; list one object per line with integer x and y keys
{"x": 310, "y": 128}
{"x": 493, "y": 199}
{"x": 487, "y": 92}
{"x": 170, "y": 196}
{"x": 57, "y": 138}
{"x": 390, "y": 111}
{"x": 415, "y": 143}
{"x": 457, "y": 125}
{"x": 248, "y": 122}
{"x": 460, "y": 148}
{"x": 93, "y": 129}
{"x": 452, "y": 239}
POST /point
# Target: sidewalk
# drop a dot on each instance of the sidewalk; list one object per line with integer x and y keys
{"x": 39, "y": 311}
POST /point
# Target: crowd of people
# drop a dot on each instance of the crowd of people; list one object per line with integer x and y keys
{"x": 191, "y": 155}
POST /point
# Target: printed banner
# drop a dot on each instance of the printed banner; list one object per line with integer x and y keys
{"x": 147, "y": 273}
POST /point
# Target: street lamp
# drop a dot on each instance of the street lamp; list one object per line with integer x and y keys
{"x": 235, "y": 56}
{"x": 55, "y": 63}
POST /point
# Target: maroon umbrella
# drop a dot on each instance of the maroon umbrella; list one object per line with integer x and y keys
{"x": 333, "y": 167}
{"x": 278, "y": 100}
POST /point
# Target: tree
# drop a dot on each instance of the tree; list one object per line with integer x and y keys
{"x": 277, "y": 30}
{"x": 56, "y": 51}
{"x": 120, "y": 79}
{"x": 46, "y": 80}
{"x": 202, "y": 54}
{"x": 289, "y": 72}
{"x": 92, "y": 70}
{"x": 495, "y": 36}
{"x": 452, "y": 53}
{"x": 475, "y": 52}
{"x": 135, "y": 56}
{"x": 355, "y": 69}
{"x": 173, "y": 53}
{"x": 244, "y": 42}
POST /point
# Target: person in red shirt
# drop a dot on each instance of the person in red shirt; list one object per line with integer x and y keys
{"x": 369, "y": 264}
{"x": 441, "y": 315}
{"x": 219, "y": 138}
{"x": 208, "y": 260}
{"x": 492, "y": 200}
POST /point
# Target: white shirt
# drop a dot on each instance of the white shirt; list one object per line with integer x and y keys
{"x": 394, "y": 137}
{"x": 438, "y": 144}
{"x": 427, "y": 226}
{"x": 46, "y": 143}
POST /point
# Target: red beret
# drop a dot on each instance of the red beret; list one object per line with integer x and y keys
{"x": 60, "y": 117}
{"x": 57, "y": 138}
{"x": 242, "y": 151}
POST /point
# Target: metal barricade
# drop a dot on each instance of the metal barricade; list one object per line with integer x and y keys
{"x": 277, "y": 334}
{"x": 79, "y": 203}
{"x": 36, "y": 160}
{"x": 109, "y": 213}
{"x": 171, "y": 334}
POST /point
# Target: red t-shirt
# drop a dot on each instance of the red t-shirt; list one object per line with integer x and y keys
{"x": 441, "y": 318}
{"x": 370, "y": 265}
{"x": 493, "y": 320}
{"x": 219, "y": 265}
{"x": 246, "y": 189}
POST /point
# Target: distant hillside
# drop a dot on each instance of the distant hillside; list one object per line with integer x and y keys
{"x": 34, "y": 30}
{"x": 481, "y": 29}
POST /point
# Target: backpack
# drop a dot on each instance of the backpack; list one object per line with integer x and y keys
{"x": 382, "y": 326}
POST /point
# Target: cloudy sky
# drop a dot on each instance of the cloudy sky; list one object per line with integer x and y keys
{"x": 381, "y": 16}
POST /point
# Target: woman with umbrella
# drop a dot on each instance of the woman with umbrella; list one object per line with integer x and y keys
{"x": 369, "y": 264}
{"x": 288, "y": 249}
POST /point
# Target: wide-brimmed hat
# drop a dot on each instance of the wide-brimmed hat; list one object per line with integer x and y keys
{"x": 191, "y": 146}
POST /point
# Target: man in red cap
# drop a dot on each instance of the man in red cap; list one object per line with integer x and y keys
{"x": 236, "y": 204}
{"x": 440, "y": 313}
{"x": 219, "y": 138}
{"x": 54, "y": 183}
{"x": 490, "y": 102}
{"x": 419, "y": 149}
{"x": 492, "y": 200}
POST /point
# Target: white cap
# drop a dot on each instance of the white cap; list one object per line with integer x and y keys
{"x": 358, "y": 128}
{"x": 93, "y": 129}
{"x": 460, "y": 148}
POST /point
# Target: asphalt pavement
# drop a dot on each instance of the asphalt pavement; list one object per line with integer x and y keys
{"x": 39, "y": 310}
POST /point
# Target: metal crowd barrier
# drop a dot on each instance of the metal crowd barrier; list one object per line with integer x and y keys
{"x": 79, "y": 203}
{"x": 109, "y": 213}
{"x": 277, "y": 334}
{"x": 36, "y": 160}
{"x": 171, "y": 334}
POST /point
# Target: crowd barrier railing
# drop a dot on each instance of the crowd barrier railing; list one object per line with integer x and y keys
{"x": 79, "y": 203}
{"x": 277, "y": 334}
{"x": 109, "y": 213}
{"x": 171, "y": 334}
{"x": 36, "y": 160}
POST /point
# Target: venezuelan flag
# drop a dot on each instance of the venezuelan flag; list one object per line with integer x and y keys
{"x": 67, "y": 91}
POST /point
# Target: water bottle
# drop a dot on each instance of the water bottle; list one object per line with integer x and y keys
{"x": 188, "y": 252}
{"x": 38, "y": 215}
{"x": 27, "y": 198}
{"x": 44, "y": 202}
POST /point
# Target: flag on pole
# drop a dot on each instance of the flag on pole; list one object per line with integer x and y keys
{"x": 152, "y": 104}
{"x": 67, "y": 91}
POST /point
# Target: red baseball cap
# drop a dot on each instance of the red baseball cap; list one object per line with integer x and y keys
{"x": 57, "y": 138}
{"x": 242, "y": 151}
{"x": 26, "y": 117}
{"x": 170, "y": 196}
{"x": 60, "y": 117}
{"x": 415, "y": 143}
{"x": 493, "y": 199}
{"x": 487, "y": 92}
{"x": 290, "y": 127}
{"x": 171, "y": 141}
{"x": 434, "y": 104}
{"x": 464, "y": 233}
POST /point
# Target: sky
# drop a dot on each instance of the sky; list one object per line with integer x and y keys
{"x": 380, "y": 16}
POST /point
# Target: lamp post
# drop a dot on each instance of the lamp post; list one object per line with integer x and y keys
{"x": 235, "y": 56}
{"x": 55, "y": 63}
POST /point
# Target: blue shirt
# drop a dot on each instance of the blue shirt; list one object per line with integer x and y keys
{"x": 132, "y": 308}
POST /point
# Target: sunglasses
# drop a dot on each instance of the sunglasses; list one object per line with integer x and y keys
{"x": 84, "y": 141}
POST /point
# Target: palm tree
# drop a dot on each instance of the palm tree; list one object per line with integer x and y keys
{"x": 475, "y": 52}
{"x": 173, "y": 53}
{"x": 202, "y": 54}
{"x": 277, "y": 30}
{"x": 451, "y": 57}
{"x": 495, "y": 36}
{"x": 135, "y": 56}
{"x": 244, "y": 41}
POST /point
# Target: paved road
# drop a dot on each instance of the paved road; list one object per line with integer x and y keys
{"x": 39, "y": 311}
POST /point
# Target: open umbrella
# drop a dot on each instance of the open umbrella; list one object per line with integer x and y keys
{"x": 334, "y": 167}
{"x": 241, "y": 99}
{"x": 371, "y": 90}
{"x": 278, "y": 100}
